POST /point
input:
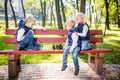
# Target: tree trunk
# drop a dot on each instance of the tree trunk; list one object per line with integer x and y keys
{"x": 118, "y": 21}
{"x": 118, "y": 17}
{"x": 43, "y": 8}
{"x": 51, "y": 14}
{"x": 77, "y": 3}
{"x": 58, "y": 14}
{"x": 54, "y": 19}
{"x": 23, "y": 8}
{"x": 82, "y": 6}
{"x": 44, "y": 14}
{"x": 13, "y": 13}
{"x": 90, "y": 12}
{"x": 107, "y": 15}
{"x": 6, "y": 13}
{"x": 63, "y": 12}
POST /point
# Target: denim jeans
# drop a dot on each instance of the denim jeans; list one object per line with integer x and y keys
{"x": 28, "y": 41}
{"x": 85, "y": 45}
{"x": 74, "y": 56}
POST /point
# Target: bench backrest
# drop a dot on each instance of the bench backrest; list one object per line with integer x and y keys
{"x": 54, "y": 36}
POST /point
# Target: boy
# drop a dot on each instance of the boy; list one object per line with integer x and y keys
{"x": 25, "y": 34}
{"x": 72, "y": 45}
{"x": 83, "y": 31}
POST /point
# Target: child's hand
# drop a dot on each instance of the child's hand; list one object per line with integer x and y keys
{"x": 44, "y": 29}
{"x": 76, "y": 33}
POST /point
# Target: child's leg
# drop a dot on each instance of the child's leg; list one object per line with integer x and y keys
{"x": 36, "y": 45}
{"x": 28, "y": 39}
{"x": 65, "y": 55}
{"x": 75, "y": 57}
{"x": 85, "y": 45}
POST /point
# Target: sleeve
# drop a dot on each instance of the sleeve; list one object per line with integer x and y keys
{"x": 20, "y": 34}
{"x": 84, "y": 33}
{"x": 74, "y": 44}
{"x": 38, "y": 27}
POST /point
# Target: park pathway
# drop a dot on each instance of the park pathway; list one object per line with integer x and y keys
{"x": 51, "y": 71}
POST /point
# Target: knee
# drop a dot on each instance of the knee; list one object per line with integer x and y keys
{"x": 74, "y": 56}
{"x": 30, "y": 32}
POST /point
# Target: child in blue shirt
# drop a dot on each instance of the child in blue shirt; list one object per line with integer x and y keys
{"x": 83, "y": 31}
{"x": 25, "y": 34}
{"x": 72, "y": 46}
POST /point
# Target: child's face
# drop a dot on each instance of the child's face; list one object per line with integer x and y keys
{"x": 79, "y": 20}
{"x": 30, "y": 23}
{"x": 69, "y": 25}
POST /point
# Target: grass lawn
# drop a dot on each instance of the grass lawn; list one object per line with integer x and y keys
{"x": 111, "y": 41}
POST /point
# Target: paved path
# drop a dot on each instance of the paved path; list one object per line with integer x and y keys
{"x": 51, "y": 71}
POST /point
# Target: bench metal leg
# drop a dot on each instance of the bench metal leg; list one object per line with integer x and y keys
{"x": 95, "y": 61}
{"x": 14, "y": 65}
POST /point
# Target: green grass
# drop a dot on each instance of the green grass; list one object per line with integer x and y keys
{"x": 111, "y": 41}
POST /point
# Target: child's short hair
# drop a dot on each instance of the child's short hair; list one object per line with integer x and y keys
{"x": 80, "y": 15}
{"x": 30, "y": 17}
{"x": 70, "y": 21}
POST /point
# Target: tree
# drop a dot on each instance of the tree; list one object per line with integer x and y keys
{"x": 118, "y": 13}
{"x": 63, "y": 12}
{"x": 23, "y": 8}
{"x": 52, "y": 17}
{"x": 6, "y": 13}
{"x": 107, "y": 2}
{"x": 82, "y": 6}
{"x": 58, "y": 14}
{"x": 77, "y": 7}
{"x": 43, "y": 8}
{"x": 13, "y": 13}
{"x": 90, "y": 12}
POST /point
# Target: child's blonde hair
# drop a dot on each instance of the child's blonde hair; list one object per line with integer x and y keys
{"x": 80, "y": 15}
{"x": 69, "y": 22}
{"x": 30, "y": 17}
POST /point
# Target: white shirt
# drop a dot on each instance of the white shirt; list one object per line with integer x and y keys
{"x": 20, "y": 35}
{"x": 74, "y": 44}
{"x": 84, "y": 32}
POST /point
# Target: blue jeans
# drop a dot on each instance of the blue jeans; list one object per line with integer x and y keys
{"x": 74, "y": 56}
{"x": 85, "y": 45}
{"x": 28, "y": 41}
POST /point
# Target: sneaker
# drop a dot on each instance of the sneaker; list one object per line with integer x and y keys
{"x": 21, "y": 48}
{"x": 76, "y": 71}
{"x": 64, "y": 67}
{"x": 32, "y": 49}
{"x": 90, "y": 47}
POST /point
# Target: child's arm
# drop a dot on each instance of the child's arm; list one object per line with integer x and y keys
{"x": 74, "y": 44}
{"x": 20, "y": 34}
{"x": 39, "y": 27}
{"x": 66, "y": 44}
{"x": 84, "y": 32}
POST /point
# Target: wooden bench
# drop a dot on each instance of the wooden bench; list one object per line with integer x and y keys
{"x": 95, "y": 56}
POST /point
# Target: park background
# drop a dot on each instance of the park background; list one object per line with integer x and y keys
{"x": 51, "y": 14}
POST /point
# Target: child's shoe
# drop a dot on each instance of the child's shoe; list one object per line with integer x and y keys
{"x": 32, "y": 48}
{"x": 22, "y": 48}
{"x": 64, "y": 67}
{"x": 76, "y": 71}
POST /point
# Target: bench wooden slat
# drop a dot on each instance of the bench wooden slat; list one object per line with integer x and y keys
{"x": 97, "y": 50}
{"x": 95, "y": 56}
{"x": 52, "y": 32}
{"x": 53, "y": 40}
